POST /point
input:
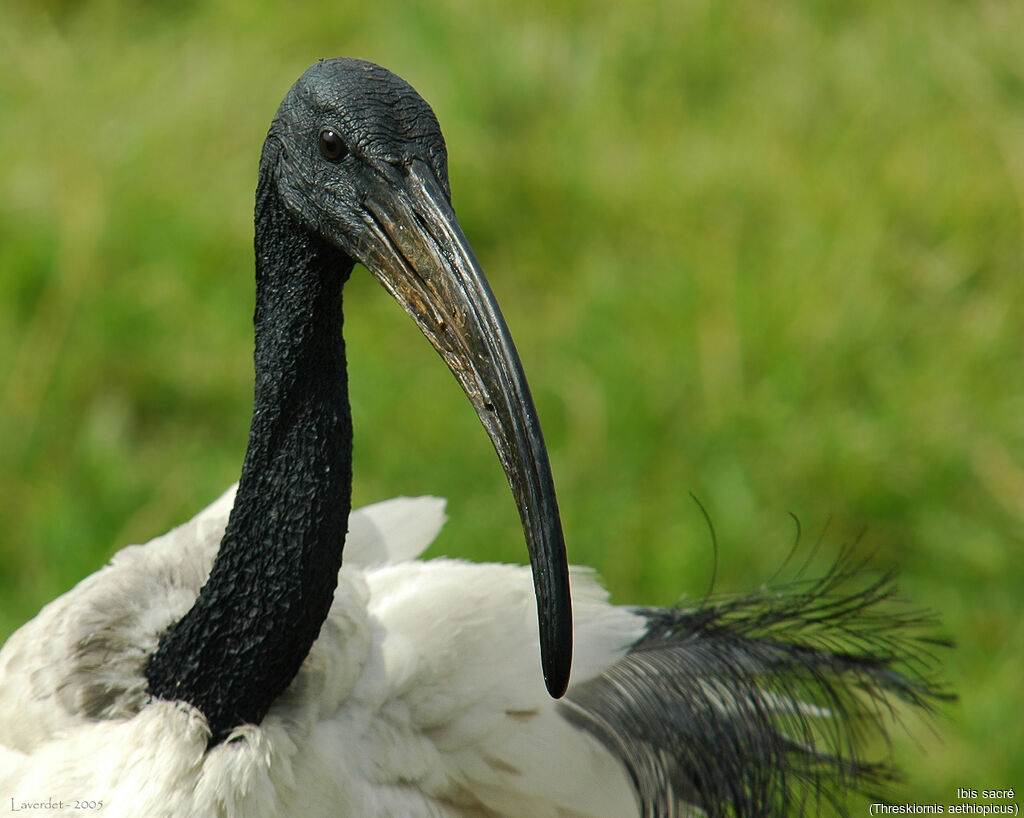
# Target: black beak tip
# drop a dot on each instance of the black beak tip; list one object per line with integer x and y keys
{"x": 556, "y": 651}
{"x": 556, "y": 677}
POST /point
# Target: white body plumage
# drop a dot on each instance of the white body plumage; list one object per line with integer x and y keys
{"x": 404, "y": 707}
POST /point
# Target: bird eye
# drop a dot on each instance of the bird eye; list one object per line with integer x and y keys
{"x": 332, "y": 146}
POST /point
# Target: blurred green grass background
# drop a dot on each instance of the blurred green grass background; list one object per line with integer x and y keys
{"x": 770, "y": 254}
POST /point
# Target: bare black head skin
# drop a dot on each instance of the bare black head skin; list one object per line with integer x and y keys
{"x": 354, "y": 169}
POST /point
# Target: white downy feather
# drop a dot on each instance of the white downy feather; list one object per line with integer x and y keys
{"x": 421, "y": 697}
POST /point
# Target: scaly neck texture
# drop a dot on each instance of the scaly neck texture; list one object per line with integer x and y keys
{"x": 274, "y": 577}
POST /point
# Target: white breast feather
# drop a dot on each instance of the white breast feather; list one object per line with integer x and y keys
{"x": 422, "y": 696}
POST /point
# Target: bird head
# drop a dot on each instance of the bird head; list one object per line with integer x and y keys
{"x": 357, "y": 158}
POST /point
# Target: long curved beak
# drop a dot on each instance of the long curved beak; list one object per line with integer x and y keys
{"x": 416, "y": 249}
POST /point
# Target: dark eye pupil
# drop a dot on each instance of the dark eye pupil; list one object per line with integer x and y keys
{"x": 331, "y": 145}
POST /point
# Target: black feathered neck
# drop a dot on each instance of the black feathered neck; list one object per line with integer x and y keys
{"x": 273, "y": 580}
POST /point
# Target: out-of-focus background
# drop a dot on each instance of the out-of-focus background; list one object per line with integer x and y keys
{"x": 770, "y": 254}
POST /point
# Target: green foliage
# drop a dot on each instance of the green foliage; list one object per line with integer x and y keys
{"x": 770, "y": 254}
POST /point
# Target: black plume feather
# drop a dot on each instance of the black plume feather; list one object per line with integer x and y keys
{"x": 762, "y": 704}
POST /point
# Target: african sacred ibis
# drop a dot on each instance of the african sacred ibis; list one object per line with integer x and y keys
{"x": 228, "y": 668}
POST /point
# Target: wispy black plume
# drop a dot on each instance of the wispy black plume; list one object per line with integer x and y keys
{"x": 763, "y": 704}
